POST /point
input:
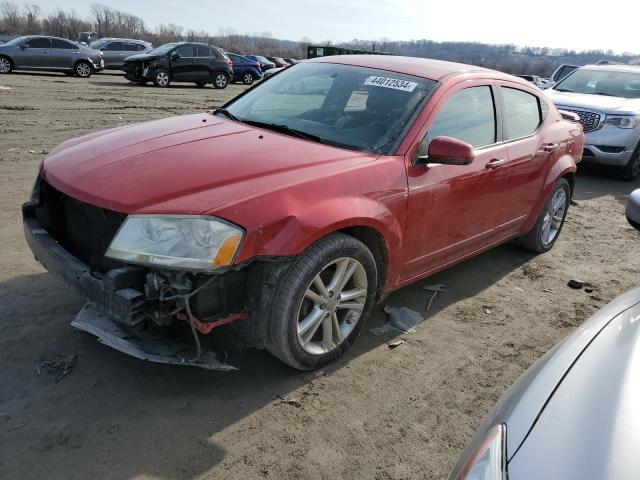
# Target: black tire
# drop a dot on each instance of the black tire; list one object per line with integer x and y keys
{"x": 534, "y": 240}
{"x": 83, "y": 69}
{"x": 161, "y": 78}
{"x": 200, "y": 84}
{"x": 248, "y": 78}
{"x": 6, "y": 65}
{"x": 631, "y": 170}
{"x": 220, "y": 80}
{"x": 287, "y": 305}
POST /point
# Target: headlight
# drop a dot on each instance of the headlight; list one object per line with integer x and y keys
{"x": 186, "y": 242}
{"x": 488, "y": 461}
{"x": 623, "y": 121}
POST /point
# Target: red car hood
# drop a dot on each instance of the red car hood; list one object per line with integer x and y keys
{"x": 187, "y": 164}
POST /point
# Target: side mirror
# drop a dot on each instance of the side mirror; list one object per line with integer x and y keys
{"x": 23, "y": 46}
{"x": 447, "y": 151}
{"x": 175, "y": 56}
{"x": 633, "y": 210}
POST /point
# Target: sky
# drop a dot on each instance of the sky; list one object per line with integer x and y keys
{"x": 580, "y": 25}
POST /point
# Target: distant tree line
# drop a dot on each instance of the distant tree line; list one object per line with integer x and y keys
{"x": 110, "y": 22}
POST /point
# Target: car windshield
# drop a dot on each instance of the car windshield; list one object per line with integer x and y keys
{"x": 262, "y": 59}
{"x": 15, "y": 41}
{"x": 342, "y": 105}
{"x": 162, "y": 49}
{"x": 98, "y": 43}
{"x": 602, "y": 82}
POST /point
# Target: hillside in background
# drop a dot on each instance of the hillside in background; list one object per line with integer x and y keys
{"x": 109, "y": 22}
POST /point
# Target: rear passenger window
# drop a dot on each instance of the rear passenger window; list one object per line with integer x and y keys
{"x": 130, "y": 47}
{"x": 140, "y": 47}
{"x": 522, "y": 113}
{"x": 57, "y": 43}
{"x": 469, "y": 116}
{"x": 186, "y": 51}
{"x": 113, "y": 47}
{"x": 204, "y": 52}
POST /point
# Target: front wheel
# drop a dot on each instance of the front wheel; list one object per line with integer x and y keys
{"x": 220, "y": 80}
{"x": 5, "y": 65}
{"x": 161, "y": 78}
{"x": 547, "y": 229}
{"x": 83, "y": 69}
{"x": 323, "y": 302}
{"x": 247, "y": 79}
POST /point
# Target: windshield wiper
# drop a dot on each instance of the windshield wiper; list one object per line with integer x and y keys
{"x": 564, "y": 90}
{"x": 285, "y": 129}
{"x": 227, "y": 114}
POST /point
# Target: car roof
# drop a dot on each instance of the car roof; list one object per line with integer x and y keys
{"x": 116, "y": 39}
{"x": 613, "y": 68}
{"x": 420, "y": 67}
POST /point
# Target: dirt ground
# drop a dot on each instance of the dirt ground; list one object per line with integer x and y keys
{"x": 378, "y": 413}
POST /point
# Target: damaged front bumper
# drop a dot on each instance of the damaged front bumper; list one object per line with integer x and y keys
{"x": 119, "y": 309}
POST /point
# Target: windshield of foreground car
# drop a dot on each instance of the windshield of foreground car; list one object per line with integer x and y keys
{"x": 342, "y": 105}
{"x": 98, "y": 44}
{"x": 162, "y": 49}
{"x": 602, "y": 82}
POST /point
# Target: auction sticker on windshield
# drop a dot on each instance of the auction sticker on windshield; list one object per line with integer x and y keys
{"x": 394, "y": 83}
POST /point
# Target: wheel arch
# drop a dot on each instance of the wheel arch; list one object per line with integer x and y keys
{"x": 565, "y": 168}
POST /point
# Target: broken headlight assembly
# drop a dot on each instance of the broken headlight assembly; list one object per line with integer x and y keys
{"x": 488, "y": 460}
{"x": 185, "y": 242}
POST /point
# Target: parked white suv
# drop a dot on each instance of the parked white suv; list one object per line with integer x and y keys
{"x": 607, "y": 100}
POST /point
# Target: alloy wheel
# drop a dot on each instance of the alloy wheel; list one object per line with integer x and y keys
{"x": 83, "y": 70}
{"x": 5, "y": 65}
{"x": 221, "y": 81}
{"x": 248, "y": 79}
{"x": 331, "y": 306}
{"x": 553, "y": 217}
{"x": 162, "y": 78}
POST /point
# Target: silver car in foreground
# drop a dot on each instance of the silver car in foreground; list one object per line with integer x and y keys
{"x": 53, "y": 54}
{"x": 607, "y": 99}
{"x": 575, "y": 414}
{"x": 115, "y": 50}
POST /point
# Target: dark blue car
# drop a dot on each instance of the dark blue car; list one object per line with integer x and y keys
{"x": 244, "y": 69}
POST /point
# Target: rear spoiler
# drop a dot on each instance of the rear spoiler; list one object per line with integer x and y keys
{"x": 572, "y": 117}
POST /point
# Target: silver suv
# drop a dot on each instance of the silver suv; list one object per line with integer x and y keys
{"x": 607, "y": 100}
{"x": 52, "y": 54}
{"x": 115, "y": 50}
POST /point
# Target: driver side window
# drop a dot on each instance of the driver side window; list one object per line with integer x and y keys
{"x": 469, "y": 115}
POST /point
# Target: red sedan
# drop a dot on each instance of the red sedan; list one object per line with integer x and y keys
{"x": 281, "y": 219}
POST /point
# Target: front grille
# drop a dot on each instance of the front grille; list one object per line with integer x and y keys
{"x": 83, "y": 230}
{"x": 590, "y": 120}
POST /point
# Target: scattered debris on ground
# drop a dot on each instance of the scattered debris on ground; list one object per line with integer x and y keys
{"x": 59, "y": 367}
{"x": 18, "y": 425}
{"x": 435, "y": 290}
{"x": 401, "y": 319}
{"x": 113, "y": 429}
{"x": 575, "y": 284}
{"x": 289, "y": 401}
{"x": 395, "y": 343}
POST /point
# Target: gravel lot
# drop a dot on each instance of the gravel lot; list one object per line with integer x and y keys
{"x": 380, "y": 413}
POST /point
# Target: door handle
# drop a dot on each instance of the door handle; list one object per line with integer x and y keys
{"x": 550, "y": 147}
{"x": 495, "y": 163}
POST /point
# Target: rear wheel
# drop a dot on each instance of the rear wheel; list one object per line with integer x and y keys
{"x": 161, "y": 78}
{"x": 323, "y": 302}
{"x": 547, "y": 229}
{"x": 5, "y": 65}
{"x": 631, "y": 170}
{"x": 247, "y": 78}
{"x": 83, "y": 69}
{"x": 221, "y": 80}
